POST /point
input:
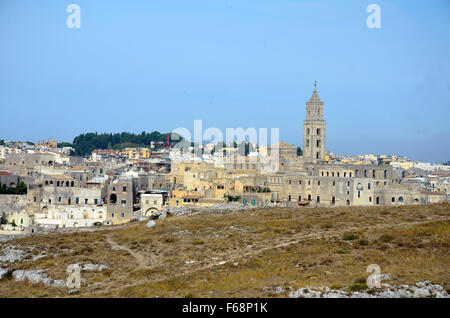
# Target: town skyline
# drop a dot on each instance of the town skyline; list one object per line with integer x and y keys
{"x": 231, "y": 64}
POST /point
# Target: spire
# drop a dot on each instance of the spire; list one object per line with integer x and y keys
{"x": 315, "y": 95}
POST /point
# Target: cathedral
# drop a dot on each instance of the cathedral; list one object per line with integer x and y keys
{"x": 310, "y": 179}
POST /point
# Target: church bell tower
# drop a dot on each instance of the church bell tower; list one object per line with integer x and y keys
{"x": 314, "y": 130}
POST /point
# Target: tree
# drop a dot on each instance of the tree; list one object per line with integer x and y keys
{"x": 13, "y": 223}
{"x": 86, "y": 143}
{"x": 64, "y": 144}
{"x": 299, "y": 151}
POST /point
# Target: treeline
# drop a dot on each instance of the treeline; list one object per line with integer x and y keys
{"x": 86, "y": 143}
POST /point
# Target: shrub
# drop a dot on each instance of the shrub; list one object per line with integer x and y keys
{"x": 342, "y": 251}
{"x": 386, "y": 238}
{"x": 357, "y": 287}
{"x": 363, "y": 242}
{"x": 197, "y": 242}
{"x": 349, "y": 237}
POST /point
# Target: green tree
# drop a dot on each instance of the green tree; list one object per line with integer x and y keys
{"x": 299, "y": 151}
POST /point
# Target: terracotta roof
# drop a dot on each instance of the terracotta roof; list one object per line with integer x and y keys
{"x": 5, "y": 173}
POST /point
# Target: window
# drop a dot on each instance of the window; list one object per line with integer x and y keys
{"x": 113, "y": 198}
{"x": 334, "y": 183}
{"x": 385, "y": 174}
{"x": 393, "y": 199}
{"x": 350, "y": 174}
{"x": 318, "y": 199}
{"x": 59, "y": 199}
{"x": 345, "y": 174}
{"x": 95, "y": 201}
{"x": 307, "y": 131}
{"x": 112, "y": 214}
{"x": 124, "y": 189}
{"x": 307, "y": 142}
{"x": 365, "y": 173}
{"x": 359, "y": 194}
{"x": 318, "y": 183}
{"x": 368, "y": 186}
{"x": 370, "y": 199}
{"x": 333, "y": 200}
{"x": 124, "y": 202}
{"x": 400, "y": 199}
{"x": 77, "y": 200}
{"x": 85, "y": 201}
{"x": 318, "y": 131}
{"x": 318, "y": 143}
{"x": 123, "y": 215}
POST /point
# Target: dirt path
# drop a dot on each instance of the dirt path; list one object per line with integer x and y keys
{"x": 143, "y": 262}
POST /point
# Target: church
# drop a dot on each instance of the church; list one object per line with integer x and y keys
{"x": 313, "y": 180}
{"x": 281, "y": 177}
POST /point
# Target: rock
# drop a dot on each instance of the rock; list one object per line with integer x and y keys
{"x": 88, "y": 267}
{"x": 3, "y": 272}
{"x": 150, "y": 224}
{"x": 420, "y": 289}
{"x": 222, "y": 208}
{"x": 34, "y": 276}
{"x": 10, "y": 254}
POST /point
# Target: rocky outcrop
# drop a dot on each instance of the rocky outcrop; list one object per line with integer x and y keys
{"x": 37, "y": 276}
{"x": 419, "y": 290}
{"x": 216, "y": 209}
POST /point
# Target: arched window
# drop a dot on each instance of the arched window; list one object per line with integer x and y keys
{"x": 113, "y": 198}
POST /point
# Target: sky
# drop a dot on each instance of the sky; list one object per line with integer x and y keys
{"x": 157, "y": 65}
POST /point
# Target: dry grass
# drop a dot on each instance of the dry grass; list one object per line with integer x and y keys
{"x": 239, "y": 254}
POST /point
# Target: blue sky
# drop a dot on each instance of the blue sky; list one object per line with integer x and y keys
{"x": 157, "y": 65}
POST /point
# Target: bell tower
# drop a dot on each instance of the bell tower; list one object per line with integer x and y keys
{"x": 314, "y": 130}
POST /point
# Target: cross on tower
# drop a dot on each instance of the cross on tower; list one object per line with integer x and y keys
{"x": 315, "y": 84}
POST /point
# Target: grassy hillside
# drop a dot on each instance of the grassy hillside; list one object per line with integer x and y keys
{"x": 246, "y": 254}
